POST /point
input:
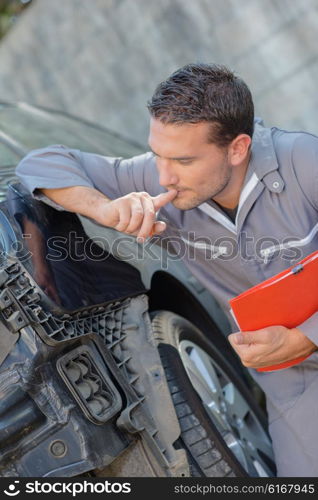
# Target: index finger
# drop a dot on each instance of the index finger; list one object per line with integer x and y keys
{"x": 149, "y": 218}
{"x": 162, "y": 199}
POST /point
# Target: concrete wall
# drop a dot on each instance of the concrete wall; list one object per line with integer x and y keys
{"x": 101, "y": 59}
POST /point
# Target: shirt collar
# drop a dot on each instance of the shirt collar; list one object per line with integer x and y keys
{"x": 264, "y": 160}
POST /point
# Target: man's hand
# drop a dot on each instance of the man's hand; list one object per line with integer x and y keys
{"x": 270, "y": 346}
{"x": 135, "y": 213}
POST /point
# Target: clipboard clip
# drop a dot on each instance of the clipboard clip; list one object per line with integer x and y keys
{"x": 297, "y": 269}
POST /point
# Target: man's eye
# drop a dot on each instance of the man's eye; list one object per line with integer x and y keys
{"x": 185, "y": 162}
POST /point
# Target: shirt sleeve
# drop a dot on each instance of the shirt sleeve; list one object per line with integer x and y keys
{"x": 305, "y": 163}
{"x": 58, "y": 167}
{"x": 310, "y": 328}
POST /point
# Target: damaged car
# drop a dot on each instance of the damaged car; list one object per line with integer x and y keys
{"x": 109, "y": 366}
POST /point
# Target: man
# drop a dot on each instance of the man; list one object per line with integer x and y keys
{"x": 251, "y": 191}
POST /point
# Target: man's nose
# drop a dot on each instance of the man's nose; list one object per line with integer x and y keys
{"x": 167, "y": 176}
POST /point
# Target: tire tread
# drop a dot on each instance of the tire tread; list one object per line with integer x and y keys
{"x": 208, "y": 459}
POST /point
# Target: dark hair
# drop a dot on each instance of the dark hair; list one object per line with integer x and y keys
{"x": 206, "y": 92}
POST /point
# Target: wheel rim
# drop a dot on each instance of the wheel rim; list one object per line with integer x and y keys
{"x": 229, "y": 411}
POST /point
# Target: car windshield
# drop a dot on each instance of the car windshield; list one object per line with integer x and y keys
{"x": 7, "y": 156}
{"x": 8, "y": 161}
{"x": 24, "y": 127}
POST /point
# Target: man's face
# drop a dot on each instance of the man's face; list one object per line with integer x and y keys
{"x": 187, "y": 162}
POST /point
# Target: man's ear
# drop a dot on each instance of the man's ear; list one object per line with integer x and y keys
{"x": 239, "y": 149}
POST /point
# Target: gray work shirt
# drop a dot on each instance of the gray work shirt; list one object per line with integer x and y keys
{"x": 276, "y": 225}
{"x": 276, "y": 222}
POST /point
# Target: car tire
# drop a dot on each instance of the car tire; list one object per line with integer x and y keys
{"x": 209, "y": 437}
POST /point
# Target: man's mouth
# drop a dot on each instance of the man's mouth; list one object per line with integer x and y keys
{"x": 179, "y": 190}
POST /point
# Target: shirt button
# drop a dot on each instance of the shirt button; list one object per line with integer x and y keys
{"x": 276, "y": 185}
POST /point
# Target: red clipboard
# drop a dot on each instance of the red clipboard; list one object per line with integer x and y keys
{"x": 287, "y": 299}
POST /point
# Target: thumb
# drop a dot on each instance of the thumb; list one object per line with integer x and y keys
{"x": 162, "y": 199}
{"x": 240, "y": 338}
{"x": 158, "y": 227}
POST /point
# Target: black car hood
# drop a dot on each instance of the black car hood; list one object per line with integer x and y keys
{"x": 72, "y": 270}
